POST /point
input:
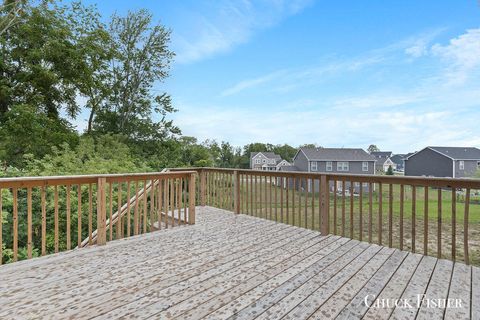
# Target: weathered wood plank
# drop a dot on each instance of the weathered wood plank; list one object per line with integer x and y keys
{"x": 459, "y": 293}
{"x": 437, "y": 289}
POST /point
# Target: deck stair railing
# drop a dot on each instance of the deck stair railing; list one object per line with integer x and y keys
{"x": 43, "y": 215}
{"x": 434, "y": 216}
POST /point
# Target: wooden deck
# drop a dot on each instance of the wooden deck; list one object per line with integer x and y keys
{"x": 238, "y": 267}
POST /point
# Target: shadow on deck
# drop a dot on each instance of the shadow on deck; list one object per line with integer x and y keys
{"x": 238, "y": 266}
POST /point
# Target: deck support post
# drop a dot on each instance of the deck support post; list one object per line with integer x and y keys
{"x": 236, "y": 188}
{"x": 191, "y": 198}
{"x": 203, "y": 177}
{"x": 324, "y": 205}
{"x": 101, "y": 211}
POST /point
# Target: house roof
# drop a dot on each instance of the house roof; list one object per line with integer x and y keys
{"x": 381, "y": 154}
{"x": 462, "y": 153}
{"x": 397, "y": 158}
{"x": 337, "y": 154}
{"x": 456, "y": 153}
{"x": 269, "y": 155}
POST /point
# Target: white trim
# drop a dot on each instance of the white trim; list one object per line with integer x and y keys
{"x": 326, "y": 166}
{"x": 311, "y": 166}
{"x": 343, "y": 160}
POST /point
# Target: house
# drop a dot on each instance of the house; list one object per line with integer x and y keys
{"x": 268, "y": 161}
{"x": 455, "y": 162}
{"x": 334, "y": 160}
{"x": 383, "y": 160}
{"x": 398, "y": 160}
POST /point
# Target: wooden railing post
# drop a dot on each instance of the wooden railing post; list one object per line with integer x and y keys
{"x": 191, "y": 199}
{"x": 101, "y": 212}
{"x": 202, "y": 187}
{"x": 236, "y": 188}
{"x": 324, "y": 205}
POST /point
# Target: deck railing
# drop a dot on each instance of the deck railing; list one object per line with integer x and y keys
{"x": 42, "y": 215}
{"x": 433, "y": 216}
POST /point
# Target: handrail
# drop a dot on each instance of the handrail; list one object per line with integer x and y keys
{"x": 161, "y": 200}
{"x": 420, "y": 214}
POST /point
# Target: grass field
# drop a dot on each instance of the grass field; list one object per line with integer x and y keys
{"x": 304, "y": 211}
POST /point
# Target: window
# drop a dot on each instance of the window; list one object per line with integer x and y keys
{"x": 313, "y": 166}
{"x": 364, "y": 166}
{"x": 461, "y": 165}
{"x": 329, "y": 166}
{"x": 264, "y": 161}
{"x": 342, "y": 166}
{"x": 257, "y": 161}
{"x": 478, "y": 164}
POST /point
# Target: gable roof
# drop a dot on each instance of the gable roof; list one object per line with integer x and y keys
{"x": 381, "y": 154}
{"x": 336, "y": 154}
{"x": 269, "y": 155}
{"x": 455, "y": 153}
{"x": 397, "y": 158}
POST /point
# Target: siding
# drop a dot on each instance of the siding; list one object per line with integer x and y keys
{"x": 355, "y": 167}
{"x": 301, "y": 162}
{"x": 469, "y": 171}
{"x": 429, "y": 163}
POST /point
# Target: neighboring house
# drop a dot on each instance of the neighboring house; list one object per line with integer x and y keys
{"x": 383, "y": 160}
{"x": 268, "y": 161}
{"x": 334, "y": 160}
{"x": 455, "y": 162}
{"x": 398, "y": 159}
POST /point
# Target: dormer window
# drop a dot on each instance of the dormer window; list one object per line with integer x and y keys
{"x": 313, "y": 166}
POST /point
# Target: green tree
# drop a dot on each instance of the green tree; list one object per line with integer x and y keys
{"x": 389, "y": 171}
{"x": 142, "y": 59}
{"x": 372, "y": 148}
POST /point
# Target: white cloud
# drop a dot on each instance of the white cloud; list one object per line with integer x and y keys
{"x": 462, "y": 55}
{"x": 229, "y": 23}
{"x": 250, "y": 83}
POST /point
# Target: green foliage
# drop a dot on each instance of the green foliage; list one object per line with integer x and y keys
{"x": 389, "y": 171}
{"x": 25, "y": 130}
{"x": 372, "y": 148}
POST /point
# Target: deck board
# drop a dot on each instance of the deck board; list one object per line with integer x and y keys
{"x": 231, "y": 266}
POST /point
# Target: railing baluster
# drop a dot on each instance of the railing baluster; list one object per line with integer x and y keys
{"x": 414, "y": 218}
{"x": 145, "y": 206}
{"x": 390, "y": 215}
{"x": 351, "y": 209}
{"x": 305, "y": 192}
{"x": 15, "y": 224}
{"x": 360, "y": 211}
{"x": 56, "y": 218}
{"x": 90, "y": 213}
{"x": 287, "y": 186}
{"x": 281, "y": 200}
{"x": 270, "y": 195}
{"x": 152, "y": 204}
{"x": 29, "y": 223}
{"x": 276, "y": 199}
{"x": 465, "y": 226}
{"x": 425, "y": 221}
{"x": 312, "y": 181}
{"x": 370, "y": 211}
{"x": 166, "y": 200}
{"x": 185, "y": 200}
{"x": 335, "y": 207}
{"x": 343, "y": 208}
{"x": 402, "y": 196}
{"x": 380, "y": 213}
{"x": 69, "y": 244}
{"x": 119, "y": 210}
{"x": 110, "y": 199}
{"x": 293, "y": 200}
{"x": 128, "y": 208}
{"x": 439, "y": 224}
{"x": 136, "y": 227}
{"x": 79, "y": 218}
{"x": 454, "y": 223}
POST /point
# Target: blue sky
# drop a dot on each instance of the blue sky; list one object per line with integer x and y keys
{"x": 398, "y": 74}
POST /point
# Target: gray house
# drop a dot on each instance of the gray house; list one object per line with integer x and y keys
{"x": 398, "y": 159}
{"x": 455, "y": 162}
{"x": 268, "y": 161}
{"x": 334, "y": 160}
{"x": 383, "y": 160}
